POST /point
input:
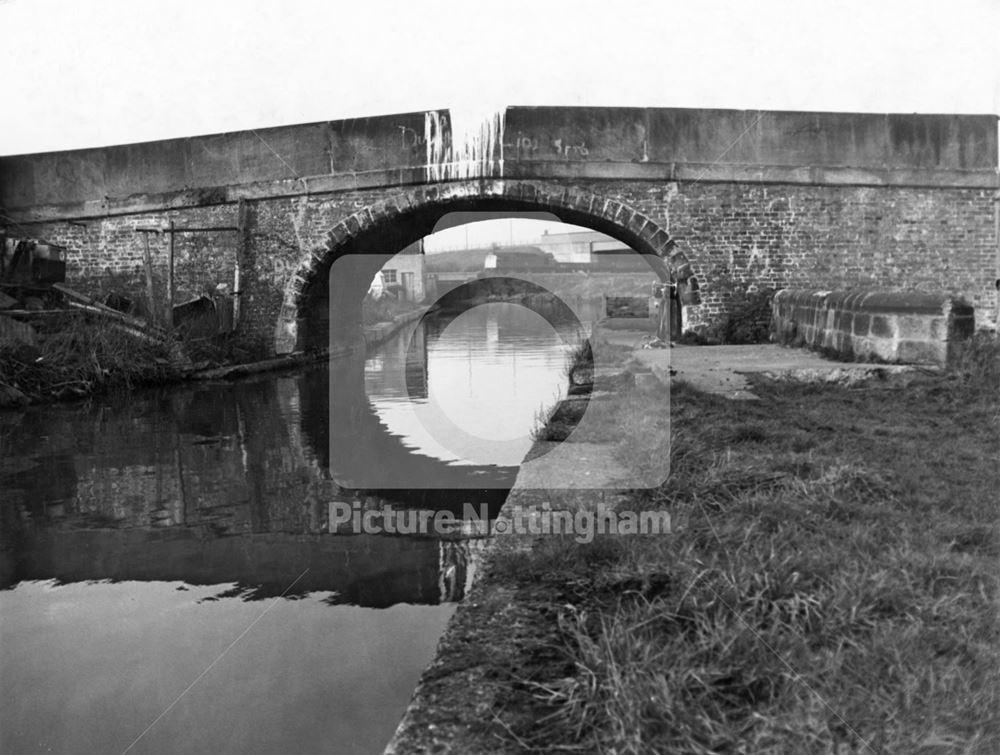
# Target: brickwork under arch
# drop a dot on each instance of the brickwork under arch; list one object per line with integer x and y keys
{"x": 417, "y": 210}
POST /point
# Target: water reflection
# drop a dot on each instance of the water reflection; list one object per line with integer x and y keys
{"x": 138, "y": 539}
{"x": 493, "y": 370}
{"x": 169, "y": 487}
{"x": 449, "y": 404}
{"x": 154, "y": 488}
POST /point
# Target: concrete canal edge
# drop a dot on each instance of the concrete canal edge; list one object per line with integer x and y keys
{"x": 459, "y": 688}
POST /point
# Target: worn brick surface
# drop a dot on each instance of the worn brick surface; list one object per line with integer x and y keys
{"x": 738, "y": 235}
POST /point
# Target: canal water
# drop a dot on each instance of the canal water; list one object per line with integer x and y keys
{"x": 168, "y": 580}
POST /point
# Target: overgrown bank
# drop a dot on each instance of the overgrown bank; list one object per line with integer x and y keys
{"x": 830, "y": 585}
{"x": 77, "y": 355}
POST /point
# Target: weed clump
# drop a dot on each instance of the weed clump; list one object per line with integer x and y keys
{"x": 746, "y": 319}
{"x": 977, "y": 362}
{"x": 78, "y": 355}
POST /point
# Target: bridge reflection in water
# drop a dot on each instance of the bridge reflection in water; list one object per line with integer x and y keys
{"x": 137, "y": 534}
{"x": 209, "y": 485}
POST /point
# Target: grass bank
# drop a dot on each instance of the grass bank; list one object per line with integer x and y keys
{"x": 831, "y": 583}
{"x": 78, "y": 355}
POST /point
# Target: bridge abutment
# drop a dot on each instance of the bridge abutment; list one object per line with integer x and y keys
{"x": 752, "y": 201}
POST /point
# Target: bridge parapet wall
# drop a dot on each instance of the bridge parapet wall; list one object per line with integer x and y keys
{"x": 891, "y": 326}
{"x": 546, "y": 143}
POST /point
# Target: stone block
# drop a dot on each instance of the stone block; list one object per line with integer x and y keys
{"x": 922, "y": 352}
{"x": 883, "y": 326}
{"x": 683, "y": 271}
{"x": 938, "y": 329}
{"x": 882, "y": 349}
{"x": 659, "y": 240}
{"x": 914, "y": 327}
{"x": 863, "y": 347}
{"x": 829, "y": 319}
{"x": 961, "y": 327}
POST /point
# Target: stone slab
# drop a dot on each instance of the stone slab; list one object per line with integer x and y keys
{"x": 572, "y": 466}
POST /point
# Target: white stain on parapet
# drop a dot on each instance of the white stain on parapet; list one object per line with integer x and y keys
{"x": 436, "y": 143}
{"x": 464, "y": 143}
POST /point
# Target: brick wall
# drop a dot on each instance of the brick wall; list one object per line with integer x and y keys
{"x": 780, "y": 236}
{"x": 940, "y": 240}
{"x": 105, "y": 255}
{"x": 738, "y": 236}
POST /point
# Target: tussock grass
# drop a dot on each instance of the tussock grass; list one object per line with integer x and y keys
{"x": 556, "y": 423}
{"x": 977, "y": 363}
{"x": 831, "y": 584}
{"x": 77, "y": 356}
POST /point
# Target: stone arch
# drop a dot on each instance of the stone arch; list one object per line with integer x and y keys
{"x": 571, "y": 204}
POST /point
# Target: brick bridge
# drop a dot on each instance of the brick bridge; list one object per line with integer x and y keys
{"x": 738, "y": 198}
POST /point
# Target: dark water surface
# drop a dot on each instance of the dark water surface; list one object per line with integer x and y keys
{"x": 167, "y": 580}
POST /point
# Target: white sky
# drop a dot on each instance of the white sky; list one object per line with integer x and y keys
{"x": 103, "y": 72}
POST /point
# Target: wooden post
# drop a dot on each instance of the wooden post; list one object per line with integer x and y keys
{"x": 242, "y": 243}
{"x": 170, "y": 277}
{"x": 674, "y": 318}
{"x": 996, "y": 238}
{"x": 663, "y": 325}
{"x": 150, "y": 292}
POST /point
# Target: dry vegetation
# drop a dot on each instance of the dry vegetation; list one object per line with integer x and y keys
{"x": 78, "y": 356}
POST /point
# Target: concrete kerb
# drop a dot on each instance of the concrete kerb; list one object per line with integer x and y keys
{"x": 891, "y": 326}
{"x": 455, "y": 691}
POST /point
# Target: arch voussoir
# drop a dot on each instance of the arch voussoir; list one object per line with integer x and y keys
{"x": 353, "y": 224}
{"x": 637, "y": 223}
{"x": 660, "y": 241}
{"x": 623, "y": 216}
{"x": 379, "y": 210}
{"x": 547, "y": 199}
{"x": 612, "y": 210}
{"x": 651, "y": 237}
{"x": 338, "y": 234}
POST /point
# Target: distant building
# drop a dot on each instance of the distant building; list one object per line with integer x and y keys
{"x": 579, "y": 246}
{"x": 377, "y": 289}
{"x": 405, "y": 276}
{"x": 594, "y": 249}
{"x": 525, "y": 259}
